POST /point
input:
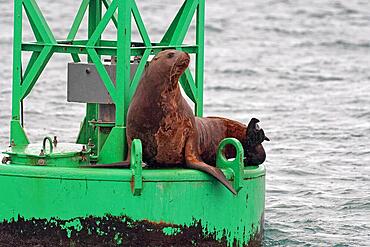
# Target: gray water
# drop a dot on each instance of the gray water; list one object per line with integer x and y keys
{"x": 301, "y": 67}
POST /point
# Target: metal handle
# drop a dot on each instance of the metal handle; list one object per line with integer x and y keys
{"x": 236, "y": 165}
{"x": 50, "y": 144}
{"x": 136, "y": 162}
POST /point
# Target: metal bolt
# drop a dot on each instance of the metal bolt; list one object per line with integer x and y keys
{"x": 41, "y": 162}
{"x": 90, "y": 143}
{"x": 83, "y": 148}
{"x": 42, "y": 153}
{"x": 88, "y": 70}
{"x": 55, "y": 141}
{"x": 83, "y": 158}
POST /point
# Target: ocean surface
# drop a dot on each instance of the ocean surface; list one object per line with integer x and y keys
{"x": 301, "y": 67}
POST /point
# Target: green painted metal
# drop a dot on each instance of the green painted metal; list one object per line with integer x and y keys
{"x": 140, "y": 69}
{"x": 114, "y": 147}
{"x": 94, "y": 18}
{"x": 107, "y": 3}
{"x": 140, "y": 24}
{"x": 103, "y": 74}
{"x": 75, "y": 26}
{"x": 136, "y": 167}
{"x": 199, "y": 62}
{"x": 175, "y": 196}
{"x": 236, "y": 165}
{"x": 31, "y": 62}
{"x": 38, "y": 21}
{"x": 79, "y": 47}
{"x": 122, "y": 85}
{"x": 54, "y": 187}
{"x": 17, "y": 133}
{"x": 34, "y": 73}
{"x": 17, "y": 76}
{"x": 94, "y": 38}
{"x": 62, "y": 155}
{"x": 78, "y": 19}
{"x": 187, "y": 83}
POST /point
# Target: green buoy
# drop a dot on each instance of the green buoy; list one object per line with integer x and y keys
{"x": 48, "y": 199}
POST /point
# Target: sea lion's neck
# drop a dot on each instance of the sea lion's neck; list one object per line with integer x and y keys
{"x": 170, "y": 93}
{"x": 160, "y": 85}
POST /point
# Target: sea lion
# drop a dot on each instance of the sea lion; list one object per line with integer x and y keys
{"x": 212, "y": 130}
{"x": 170, "y": 133}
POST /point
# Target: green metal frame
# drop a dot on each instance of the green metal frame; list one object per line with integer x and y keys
{"x": 120, "y": 12}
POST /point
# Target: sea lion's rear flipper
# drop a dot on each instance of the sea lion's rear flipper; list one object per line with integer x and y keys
{"x": 193, "y": 162}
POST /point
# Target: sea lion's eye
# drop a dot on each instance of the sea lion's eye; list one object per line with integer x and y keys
{"x": 257, "y": 127}
{"x": 170, "y": 55}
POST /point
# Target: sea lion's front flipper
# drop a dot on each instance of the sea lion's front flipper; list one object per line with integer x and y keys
{"x": 193, "y": 162}
{"x": 123, "y": 164}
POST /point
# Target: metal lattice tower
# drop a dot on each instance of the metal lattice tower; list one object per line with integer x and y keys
{"x": 121, "y": 13}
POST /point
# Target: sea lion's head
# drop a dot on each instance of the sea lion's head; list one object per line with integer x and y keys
{"x": 171, "y": 63}
{"x": 253, "y": 149}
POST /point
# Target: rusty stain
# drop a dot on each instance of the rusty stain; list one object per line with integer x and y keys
{"x": 132, "y": 183}
{"x": 106, "y": 231}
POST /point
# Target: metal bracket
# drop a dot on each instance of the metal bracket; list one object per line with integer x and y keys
{"x": 236, "y": 165}
{"x": 136, "y": 167}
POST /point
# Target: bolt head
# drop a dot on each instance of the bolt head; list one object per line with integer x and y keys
{"x": 41, "y": 162}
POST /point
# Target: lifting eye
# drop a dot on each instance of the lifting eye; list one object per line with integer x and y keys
{"x": 170, "y": 55}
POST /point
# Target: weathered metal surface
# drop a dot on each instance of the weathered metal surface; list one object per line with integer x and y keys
{"x": 107, "y": 231}
{"x": 171, "y": 206}
{"x": 171, "y": 196}
{"x": 84, "y": 84}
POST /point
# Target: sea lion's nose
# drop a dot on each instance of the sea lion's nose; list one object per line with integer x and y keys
{"x": 185, "y": 62}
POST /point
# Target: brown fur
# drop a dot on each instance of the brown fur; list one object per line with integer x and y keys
{"x": 170, "y": 133}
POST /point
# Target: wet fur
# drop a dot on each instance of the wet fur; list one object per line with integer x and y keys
{"x": 162, "y": 119}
